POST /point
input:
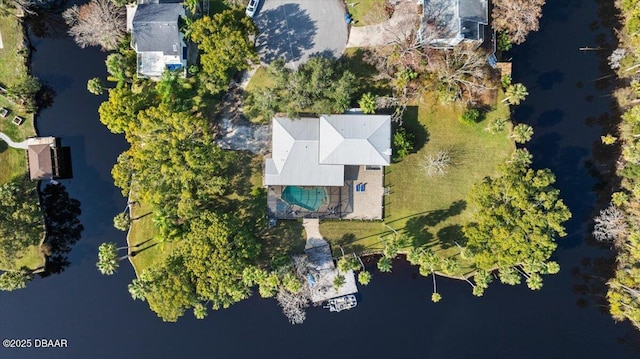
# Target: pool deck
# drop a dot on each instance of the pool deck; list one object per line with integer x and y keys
{"x": 343, "y": 202}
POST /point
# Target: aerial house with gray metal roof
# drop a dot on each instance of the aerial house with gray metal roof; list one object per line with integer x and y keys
{"x": 328, "y": 167}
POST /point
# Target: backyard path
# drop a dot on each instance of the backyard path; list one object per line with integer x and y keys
{"x": 312, "y": 229}
{"x": 404, "y": 20}
{"x": 22, "y": 145}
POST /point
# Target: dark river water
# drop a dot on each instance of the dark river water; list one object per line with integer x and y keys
{"x": 395, "y": 317}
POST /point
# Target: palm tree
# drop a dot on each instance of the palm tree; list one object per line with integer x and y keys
{"x": 384, "y": 264}
{"x": 122, "y": 221}
{"x": 364, "y": 277}
{"x": 339, "y": 281}
{"x": 534, "y": 282}
{"x": 95, "y": 86}
{"x": 138, "y": 289}
{"x": 108, "y": 260}
{"x": 516, "y": 93}
{"x": 522, "y": 133}
{"x": 521, "y": 157}
{"x": 200, "y": 311}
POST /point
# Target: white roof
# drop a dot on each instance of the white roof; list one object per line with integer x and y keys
{"x": 313, "y": 151}
{"x": 294, "y": 156}
{"x": 355, "y": 140}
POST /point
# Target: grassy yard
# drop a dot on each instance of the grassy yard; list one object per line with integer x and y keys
{"x": 431, "y": 210}
{"x": 367, "y": 12}
{"x": 141, "y": 239}
{"x": 12, "y": 66}
{"x": 13, "y": 161}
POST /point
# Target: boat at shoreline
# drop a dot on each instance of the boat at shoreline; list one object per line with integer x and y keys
{"x": 341, "y": 303}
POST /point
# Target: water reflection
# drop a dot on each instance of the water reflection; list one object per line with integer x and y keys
{"x": 63, "y": 227}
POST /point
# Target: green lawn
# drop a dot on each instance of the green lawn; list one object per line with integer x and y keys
{"x": 12, "y": 65}
{"x": 431, "y": 210}
{"x": 367, "y": 12}
{"x": 141, "y": 239}
{"x": 14, "y": 161}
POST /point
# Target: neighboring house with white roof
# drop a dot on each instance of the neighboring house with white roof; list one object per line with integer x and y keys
{"x": 447, "y": 23}
{"x": 331, "y": 166}
{"x": 156, "y": 37}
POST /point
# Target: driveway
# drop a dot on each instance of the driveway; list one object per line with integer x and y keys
{"x": 404, "y": 22}
{"x": 298, "y": 29}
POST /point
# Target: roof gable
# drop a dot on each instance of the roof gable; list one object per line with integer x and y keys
{"x": 40, "y": 162}
{"x": 155, "y": 28}
{"x": 355, "y": 139}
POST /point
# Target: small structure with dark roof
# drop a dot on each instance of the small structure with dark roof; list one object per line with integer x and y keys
{"x": 47, "y": 159}
{"x": 156, "y": 37}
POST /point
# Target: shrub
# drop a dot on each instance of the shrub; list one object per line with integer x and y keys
{"x": 470, "y": 117}
{"x": 402, "y": 143}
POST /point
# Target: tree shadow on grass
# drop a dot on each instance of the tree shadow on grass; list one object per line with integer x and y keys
{"x": 3, "y": 146}
{"x": 417, "y": 228}
{"x": 451, "y": 235}
{"x": 138, "y": 251}
{"x": 412, "y": 124}
{"x": 347, "y": 243}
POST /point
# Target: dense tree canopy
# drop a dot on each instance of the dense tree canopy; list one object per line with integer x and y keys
{"x": 518, "y": 215}
{"x": 319, "y": 86}
{"x": 207, "y": 267}
{"x": 21, "y": 222}
{"x": 225, "y": 44}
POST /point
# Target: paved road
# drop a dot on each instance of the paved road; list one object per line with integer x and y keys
{"x": 404, "y": 21}
{"x": 297, "y": 29}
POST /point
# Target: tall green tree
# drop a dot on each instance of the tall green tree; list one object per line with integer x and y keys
{"x": 122, "y": 221}
{"x": 517, "y": 217}
{"x": 108, "y": 259}
{"x": 522, "y": 133}
{"x": 21, "y": 220}
{"x": 216, "y": 252}
{"x": 225, "y": 43}
{"x": 13, "y": 280}
{"x": 515, "y": 93}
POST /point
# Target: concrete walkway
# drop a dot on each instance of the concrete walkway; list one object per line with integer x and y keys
{"x": 404, "y": 21}
{"x": 312, "y": 229}
{"x": 22, "y": 145}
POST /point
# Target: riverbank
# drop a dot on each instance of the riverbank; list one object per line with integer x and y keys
{"x": 13, "y": 70}
{"x": 619, "y": 223}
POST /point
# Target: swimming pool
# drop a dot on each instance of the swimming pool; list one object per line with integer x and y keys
{"x": 307, "y": 198}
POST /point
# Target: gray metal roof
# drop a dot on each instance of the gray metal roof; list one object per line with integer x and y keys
{"x": 294, "y": 156}
{"x": 155, "y": 28}
{"x": 355, "y": 139}
{"x": 314, "y": 151}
